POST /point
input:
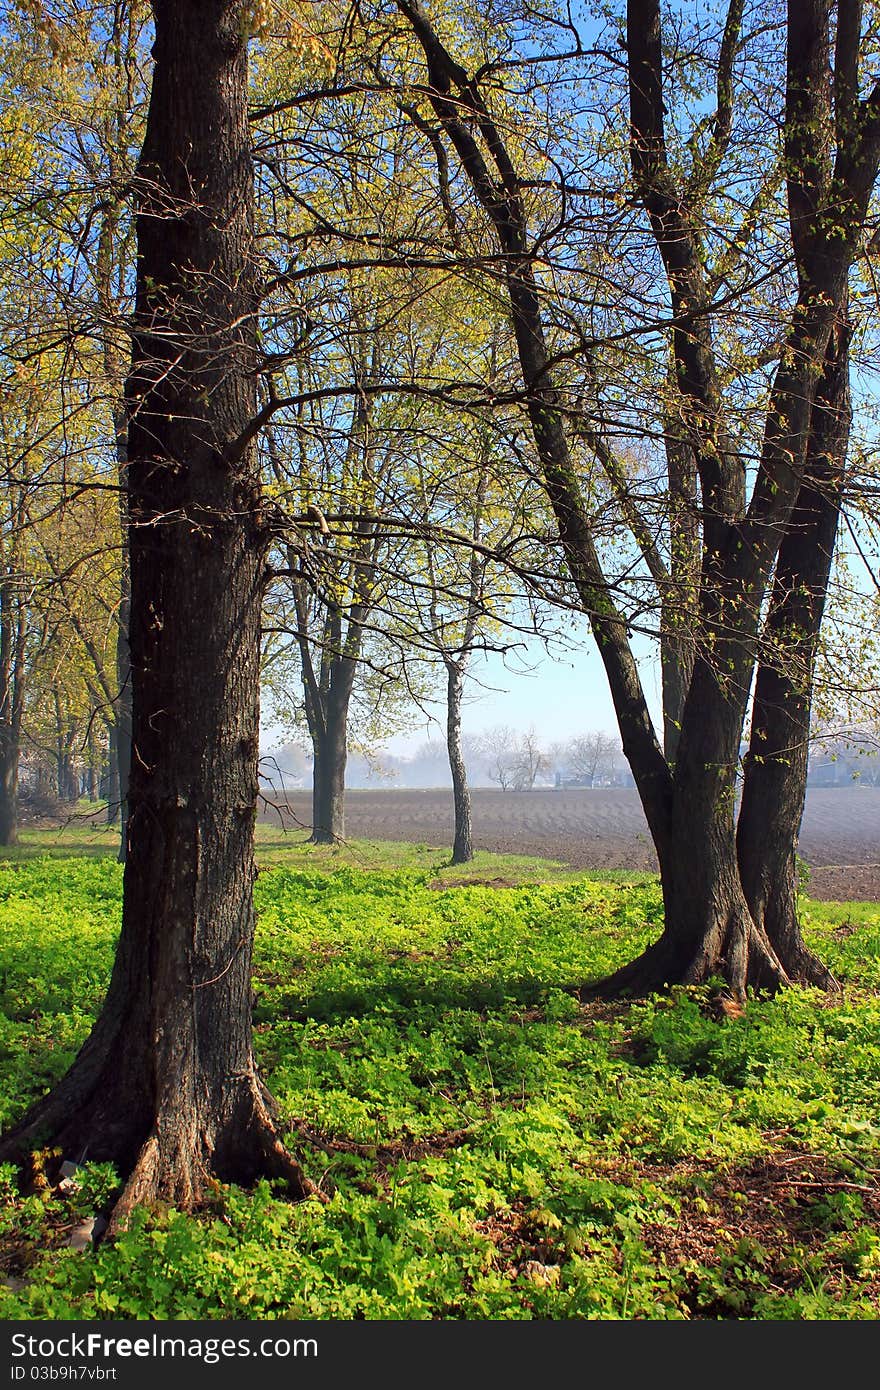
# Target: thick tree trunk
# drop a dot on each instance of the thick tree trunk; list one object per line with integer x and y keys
{"x": 675, "y": 674}
{"x": 122, "y": 704}
{"x": 328, "y": 784}
{"x": 166, "y": 1085}
{"x": 708, "y": 930}
{"x": 462, "y": 846}
{"x": 774, "y": 788}
{"x": 123, "y": 655}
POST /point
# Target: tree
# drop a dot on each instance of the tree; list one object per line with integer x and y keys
{"x": 529, "y": 762}
{"x": 338, "y": 451}
{"x": 498, "y": 749}
{"x": 77, "y": 78}
{"x": 831, "y": 150}
{"x": 590, "y": 756}
{"x": 466, "y": 591}
{"x": 166, "y": 1084}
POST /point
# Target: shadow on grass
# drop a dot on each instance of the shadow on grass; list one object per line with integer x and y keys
{"x": 411, "y": 995}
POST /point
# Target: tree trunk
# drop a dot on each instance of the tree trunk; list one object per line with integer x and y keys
{"x": 689, "y": 805}
{"x": 111, "y": 776}
{"x": 775, "y": 782}
{"x": 708, "y": 929}
{"x": 12, "y": 651}
{"x": 328, "y": 773}
{"x": 166, "y": 1085}
{"x": 9, "y": 759}
{"x": 123, "y": 715}
{"x": 462, "y": 847}
{"x": 123, "y": 655}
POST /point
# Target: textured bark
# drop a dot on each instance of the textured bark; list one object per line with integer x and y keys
{"x": 678, "y": 605}
{"x": 328, "y": 777}
{"x": 9, "y": 756}
{"x": 775, "y": 781}
{"x": 166, "y": 1085}
{"x": 122, "y": 725}
{"x": 709, "y": 931}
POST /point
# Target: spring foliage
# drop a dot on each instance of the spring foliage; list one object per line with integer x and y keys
{"x": 490, "y": 1149}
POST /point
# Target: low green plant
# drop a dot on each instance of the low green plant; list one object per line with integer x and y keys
{"x": 489, "y": 1147}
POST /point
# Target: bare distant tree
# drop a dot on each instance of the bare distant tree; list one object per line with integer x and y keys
{"x": 591, "y": 756}
{"x": 529, "y": 762}
{"x": 499, "y": 750}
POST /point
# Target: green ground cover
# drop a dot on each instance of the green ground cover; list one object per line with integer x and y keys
{"x": 490, "y": 1148}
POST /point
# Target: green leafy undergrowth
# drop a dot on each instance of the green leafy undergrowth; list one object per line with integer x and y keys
{"x": 490, "y": 1148}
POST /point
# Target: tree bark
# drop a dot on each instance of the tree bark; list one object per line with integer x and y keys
{"x": 13, "y": 634}
{"x": 462, "y": 845}
{"x": 328, "y": 776}
{"x": 9, "y": 756}
{"x": 689, "y": 802}
{"x": 708, "y": 930}
{"x": 166, "y": 1085}
{"x": 123, "y": 702}
{"x": 775, "y": 783}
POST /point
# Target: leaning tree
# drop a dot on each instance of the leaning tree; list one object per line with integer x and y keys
{"x": 166, "y": 1085}
{"x": 744, "y": 527}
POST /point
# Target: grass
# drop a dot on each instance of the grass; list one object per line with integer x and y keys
{"x": 490, "y": 1148}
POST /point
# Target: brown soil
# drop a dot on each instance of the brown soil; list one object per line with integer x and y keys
{"x": 605, "y": 829}
{"x": 736, "y": 1234}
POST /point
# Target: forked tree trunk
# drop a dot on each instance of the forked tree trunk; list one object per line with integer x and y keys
{"x": 775, "y": 783}
{"x": 688, "y": 803}
{"x": 462, "y": 846}
{"x": 709, "y": 932}
{"x": 166, "y": 1085}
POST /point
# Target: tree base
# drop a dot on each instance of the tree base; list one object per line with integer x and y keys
{"x": 175, "y": 1156}
{"x": 180, "y": 1166}
{"x": 739, "y": 955}
{"x": 325, "y": 837}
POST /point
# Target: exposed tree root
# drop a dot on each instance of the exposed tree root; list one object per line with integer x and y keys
{"x": 172, "y": 1154}
{"x": 808, "y": 969}
{"x": 737, "y": 952}
{"x": 179, "y": 1165}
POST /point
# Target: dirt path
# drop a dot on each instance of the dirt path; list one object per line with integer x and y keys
{"x": 605, "y": 829}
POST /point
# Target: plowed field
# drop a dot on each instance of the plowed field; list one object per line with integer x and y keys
{"x": 605, "y": 829}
